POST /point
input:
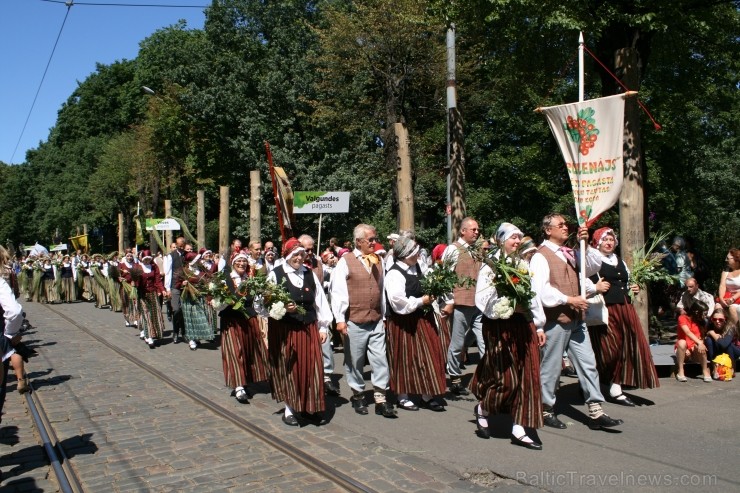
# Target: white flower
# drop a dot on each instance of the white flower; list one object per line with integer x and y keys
{"x": 277, "y": 310}
{"x": 211, "y": 286}
{"x": 503, "y": 309}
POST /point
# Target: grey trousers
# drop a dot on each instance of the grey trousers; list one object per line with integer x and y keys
{"x": 574, "y": 339}
{"x": 327, "y": 352}
{"x": 464, "y": 320}
{"x": 368, "y": 337}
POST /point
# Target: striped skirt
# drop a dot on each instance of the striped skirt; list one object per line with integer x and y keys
{"x": 622, "y": 352}
{"x": 197, "y": 326}
{"x": 151, "y": 321}
{"x": 415, "y": 355}
{"x": 296, "y": 365}
{"x": 242, "y": 353}
{"x": 507, "y": 380}
{"x": 444, "y": 333}
{"x": 130, "y": 308}
{"x": 69, "y": 289}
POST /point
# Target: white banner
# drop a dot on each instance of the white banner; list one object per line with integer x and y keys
{"x": 590, "y": 135}
{"x": 320, "y": 202}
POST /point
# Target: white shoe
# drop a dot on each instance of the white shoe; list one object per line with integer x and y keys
{"x": 193, "y": 345}
{"x": 149, "y": 341}
{"x": 142, "y": 335}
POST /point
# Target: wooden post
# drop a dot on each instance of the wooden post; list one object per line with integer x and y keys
{"x": 403, "y": 181}
{"x": 632, "y": 196}
{"x": 168, "y": 233}
{"x": 255, "y": 220}
{"x": 201, "y": 218}
{"x": 223, "y": 222}
{"x": 121, "y": 233}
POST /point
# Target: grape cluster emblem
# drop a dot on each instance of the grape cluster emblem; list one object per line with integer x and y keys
{"x": 582, "y": 129}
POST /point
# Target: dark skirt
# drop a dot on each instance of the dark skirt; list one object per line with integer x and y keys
{"x": 415, "y": 355}
{"x": 622, "y": 352}
{"x": 151, "y": 320}
{"x": 243, "y": 353}
{"x": 296, "y": 365}
{"x": 507, "y": 380}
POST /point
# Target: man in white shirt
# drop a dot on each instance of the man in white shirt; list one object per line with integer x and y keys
{"x": 555, "y": 281}
{"x": 693, "y": 293}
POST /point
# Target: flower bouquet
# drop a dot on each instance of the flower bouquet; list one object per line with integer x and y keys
{"x": 443, "y": 280}
{"x": 274, "y": 297}
{"x": 513, "y": 283}
{"x": 647, "y": 264}
{"x": 218, "y": 289}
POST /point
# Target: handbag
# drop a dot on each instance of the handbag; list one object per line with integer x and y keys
{"x": 597, "y": 313}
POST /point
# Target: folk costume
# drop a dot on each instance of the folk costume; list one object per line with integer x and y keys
{"x": 113, "y": 274}
{"x": 622, "y": 353}
{"x": 194, "y": 306}
{"x": 243, "y": 352}
{"x": 150, "y": 287}
{"x": 415, "y": 356}
{"x": 294, "y": 346}
{"x": 507, "y": 379}
{"x": 129, "y": 297}
{"x": 69, "y": 280}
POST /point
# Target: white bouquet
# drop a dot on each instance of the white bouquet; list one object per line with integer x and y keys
{"x": 277, "y": 310}
{"x": 503, "y": 308}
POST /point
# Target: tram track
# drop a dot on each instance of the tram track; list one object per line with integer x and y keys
{"x": 68, "y": 480}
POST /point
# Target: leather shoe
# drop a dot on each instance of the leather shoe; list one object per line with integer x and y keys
{"x": 459, "y": 389}
{"x": 523, "y": 443}
{"x": 330, "y": 388}
{"x": 359, "y": 405}
{"x": 242, "y": 396}
{"x": 481, "y": 431}
{"x": 290, "y": 420}
{"x": 407, "y": 405}
{"x": 176, "y": 339}
{"x": 433, "y": 405}
{"x": 621, "y": 399}
{"x": 603, "y": 421}
{"x": 553, "y": 422}
{"x": 385, "y": 409}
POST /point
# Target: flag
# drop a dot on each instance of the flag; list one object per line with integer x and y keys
{"x": 283, "y": 197}
{"x": 590, "y": 135}
{"x": 79, "y": 243}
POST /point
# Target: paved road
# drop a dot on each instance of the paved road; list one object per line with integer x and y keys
{"x": 129, "y": 432}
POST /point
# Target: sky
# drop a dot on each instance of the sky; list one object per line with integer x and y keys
{"x": 91, "y": 34}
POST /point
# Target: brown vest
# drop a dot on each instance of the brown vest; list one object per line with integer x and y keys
{"x": 466, "y": 267}
{"x": 564, "y": 278}
{"x": 364, "y": 289}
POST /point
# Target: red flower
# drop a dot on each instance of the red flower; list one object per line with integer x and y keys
{"x": 514, "y": 279}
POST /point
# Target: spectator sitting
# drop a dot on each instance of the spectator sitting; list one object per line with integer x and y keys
{"x": 689, "y": 342}
{"x": 722, "y": 337}
{"x": 692, "y": 294}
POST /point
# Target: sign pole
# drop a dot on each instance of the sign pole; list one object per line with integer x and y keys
{"x": 318, "y": 240}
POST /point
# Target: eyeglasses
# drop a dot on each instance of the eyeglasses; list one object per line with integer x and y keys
{"x": 561, "y": 225}
{"x": 718, "y": 319}
{"x": 374, "y": 239}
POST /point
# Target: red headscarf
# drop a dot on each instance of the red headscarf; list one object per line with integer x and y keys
{"x": 599, "y": 235}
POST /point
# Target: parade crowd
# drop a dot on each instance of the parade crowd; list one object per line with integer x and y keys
{"x": 410, "y": 312}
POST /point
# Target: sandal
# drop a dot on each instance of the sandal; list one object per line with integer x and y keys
{"x": 681, "y": 378}
{"x": 23, "y": 386}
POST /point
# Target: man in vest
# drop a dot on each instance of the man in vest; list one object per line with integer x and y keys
{"x": 173, "y": 278}
{"x": 460, "y": 307}
{"x": 555, "y": 280}
{"x": 313, "y": 263}
{"x": 357, "y": 300}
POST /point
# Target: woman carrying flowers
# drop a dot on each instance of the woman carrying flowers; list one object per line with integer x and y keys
{"x": 242, "y": 350}
{"x": 194, "y": 307}
{"x": 415, "y": 354}
{"x": 622, "y": 353}
{"x": 296, "y": 329}
{"x": 150, "y": 287}
{"x": 128, "y": 291}
{"x": 507, "y": 379}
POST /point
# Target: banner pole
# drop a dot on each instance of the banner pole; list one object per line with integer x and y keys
{"x": 580, "y": 99}
{"x": 318, "y": 240}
